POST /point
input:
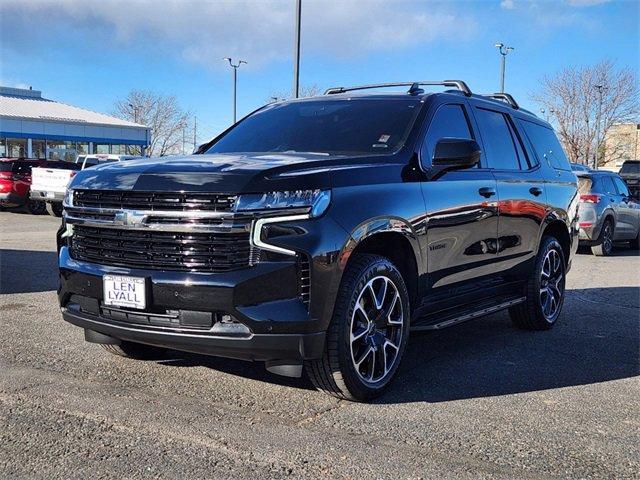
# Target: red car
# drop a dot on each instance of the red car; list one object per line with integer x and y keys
{"x": 15, "y": 183}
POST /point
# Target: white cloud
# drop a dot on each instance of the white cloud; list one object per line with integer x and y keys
{"x": 507, "y": 4}
{"x": 259, "y": 31}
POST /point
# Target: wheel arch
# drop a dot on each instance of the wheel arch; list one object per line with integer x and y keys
{"x": 559, "y": 230}
{"x": 393, "y": 238}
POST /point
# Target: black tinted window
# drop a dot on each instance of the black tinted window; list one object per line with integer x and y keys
{"x": 498, "y": 140}
{"x": 621, "y": 186}
{"x": 449, "y": 121}
{"x": 356, "y": 126}
{"x": 546, "y": 145}
{"x": 631, "y": 166}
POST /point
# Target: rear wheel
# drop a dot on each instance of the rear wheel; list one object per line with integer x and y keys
{"x": 368, "y": 333}
{"x": 545, "y": 289}
{"x": 35, "y": 208}
{"x": 604, "y": 247}
{"x": 54, "y": 209}
{"x": 136, "y": 351}
{"x": 635, "y": 243}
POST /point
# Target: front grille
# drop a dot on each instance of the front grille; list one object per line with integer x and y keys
{"x": 198, "y": 252}
{"x": 134, "y": 200}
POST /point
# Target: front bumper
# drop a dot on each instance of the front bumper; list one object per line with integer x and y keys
{"x": 264, "y": 299}
{"x": 10, "y": 198}
{"x": 46, "y": 195}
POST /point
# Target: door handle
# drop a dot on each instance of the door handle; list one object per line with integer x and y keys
{"x": 535, "y": 191}
{"x": 487, "y": 191}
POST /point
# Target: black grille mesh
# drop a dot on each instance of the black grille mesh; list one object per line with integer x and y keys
{"x": 134, "y": 200}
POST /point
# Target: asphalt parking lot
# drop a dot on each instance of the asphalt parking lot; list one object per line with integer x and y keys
{"x": 480, "y": 400}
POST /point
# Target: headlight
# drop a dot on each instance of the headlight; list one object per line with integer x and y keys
{"x": 316, "y": 201}
{"x": 68, "y": 198}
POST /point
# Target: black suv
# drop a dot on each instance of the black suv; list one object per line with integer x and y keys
{"x": 317, "y": 233}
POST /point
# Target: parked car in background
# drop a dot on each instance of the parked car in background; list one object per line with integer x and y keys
{"x": 315, "y": 233}
{"x": 608, "y": 213}
{"x": 630, "y": 173}
{"x": 50, "y": 183}
{"x": 15, "y": 183}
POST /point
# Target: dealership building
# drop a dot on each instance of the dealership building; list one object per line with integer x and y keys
{"x": 35, "y": 127}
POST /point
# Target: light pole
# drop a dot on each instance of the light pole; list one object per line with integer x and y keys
{"x": 504, "y": 51}
{"x": 135, "y": 112}
{"x": 235, "y": 82}
{"x": 296, "y": 60}
{"x": 595, "y": 161}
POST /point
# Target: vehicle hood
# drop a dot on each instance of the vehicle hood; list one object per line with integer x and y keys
{"x": 220, "y": 173}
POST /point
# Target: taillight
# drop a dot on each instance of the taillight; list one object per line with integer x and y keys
{"x": 590, "y": 198}
{"x": 5, "y": 175}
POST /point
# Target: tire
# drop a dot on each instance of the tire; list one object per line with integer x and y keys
{"x": 635, "y": 243}
{"x": 541, "y": 309}
{"x": 137, "y": 351}
{"x": 604, "y": 247}
{"x": 54, "y": 209}
{"x": 35, "y": 208}
{"x": 358, "y": 299}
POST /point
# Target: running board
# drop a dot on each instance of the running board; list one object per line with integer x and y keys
{"x": 469, "y": 316}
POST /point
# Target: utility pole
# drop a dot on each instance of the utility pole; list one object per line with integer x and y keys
{"x": 235, "y": 83}
{"x": 504, "y": 51}
{"x": 595, "y": 161}
{"x": 296, "y": 60}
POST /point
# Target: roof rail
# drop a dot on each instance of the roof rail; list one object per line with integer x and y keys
{"x": 414, "y": 86}
{"x": 505, "y": 97}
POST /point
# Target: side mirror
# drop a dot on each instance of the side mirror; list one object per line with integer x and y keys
{"x": 454, "y": 154}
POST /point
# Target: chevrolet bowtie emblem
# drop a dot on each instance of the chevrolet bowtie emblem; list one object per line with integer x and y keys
{"x": 128, "y": 218}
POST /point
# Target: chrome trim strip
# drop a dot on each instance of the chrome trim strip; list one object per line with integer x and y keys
{"x": 261, "y": 222}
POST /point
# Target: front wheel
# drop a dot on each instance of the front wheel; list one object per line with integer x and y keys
{"x": 54, "y": 209}
{"x": 368, "y": 332}
{"x": 545, "y": 289}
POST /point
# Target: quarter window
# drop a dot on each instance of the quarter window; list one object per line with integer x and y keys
{"x": 621, "y": 186}
{"x": 546, "y": 145}
{"x": 449, "y": 121}
{"x": 498, "y": 139}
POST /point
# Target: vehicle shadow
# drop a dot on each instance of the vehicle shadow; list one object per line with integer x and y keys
{"x": 593, "y": 342}
{"x": 27, "y": 271}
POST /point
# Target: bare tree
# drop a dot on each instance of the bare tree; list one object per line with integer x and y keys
{"x": 584, "y": 102}
{"x": 305, "y": 91}
{"x": 162, "y": 114}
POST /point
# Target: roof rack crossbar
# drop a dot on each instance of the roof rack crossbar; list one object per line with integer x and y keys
{"x": 505, "y": 97}
{"x": 459, "y": 84}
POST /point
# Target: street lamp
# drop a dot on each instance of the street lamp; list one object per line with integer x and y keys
{"x": 599, "y": 88}
{"x": 504, "y": 51}
{"x": 235, "y": 82}
{"x": 135, "y": 112}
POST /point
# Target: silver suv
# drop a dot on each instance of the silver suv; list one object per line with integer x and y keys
{"x": 607, "y": 212}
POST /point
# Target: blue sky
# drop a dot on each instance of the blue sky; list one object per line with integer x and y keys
{"x": 91, "y": 53}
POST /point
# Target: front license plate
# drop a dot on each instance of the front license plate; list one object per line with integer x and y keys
{"x": 121, "y": 291}
{"x": 50, "y": 195}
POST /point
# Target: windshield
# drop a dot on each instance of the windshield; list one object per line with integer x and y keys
{"x": 630, "y": 167}
{"x": 344, "y": 126}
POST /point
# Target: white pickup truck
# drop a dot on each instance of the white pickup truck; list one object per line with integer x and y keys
{"x": 50, "y": 184}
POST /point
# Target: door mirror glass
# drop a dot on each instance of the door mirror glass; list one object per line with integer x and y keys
{"x": 456, "y": 154}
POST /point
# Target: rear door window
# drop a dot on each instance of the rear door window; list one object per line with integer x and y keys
{"x": 499, "y": 140}
{"x": 449, "y": 121}
{"x": 605, "y": 185}
{"x": 546, "y": 145}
